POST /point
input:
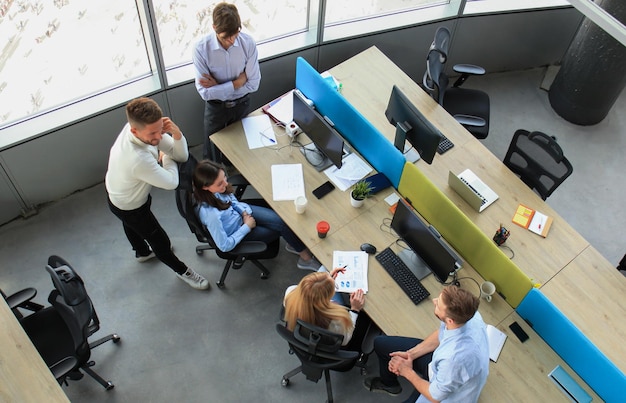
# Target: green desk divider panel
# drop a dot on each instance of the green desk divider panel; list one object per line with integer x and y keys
{"x": 349, "y": 122}
{"x": 462, "y": 234}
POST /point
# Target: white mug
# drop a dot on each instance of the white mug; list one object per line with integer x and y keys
{"x": 487, "y": 289}
{"x": 300, "y": 202}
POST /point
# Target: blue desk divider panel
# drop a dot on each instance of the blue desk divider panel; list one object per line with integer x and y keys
{"x": 357, "y": 130}
{"x": 573, "y": 346}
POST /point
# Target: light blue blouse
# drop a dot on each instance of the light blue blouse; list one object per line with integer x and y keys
{"x": 225, "y": 226}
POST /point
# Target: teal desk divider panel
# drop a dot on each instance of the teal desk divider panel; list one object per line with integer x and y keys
{"x": 353, "y": 126}
{"x": 573, "y": 346}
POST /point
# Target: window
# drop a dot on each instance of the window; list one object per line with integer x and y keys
{"x": 181, "y": 23}
{"x": 60, "y": 51}
{"x": 346, "y": 18}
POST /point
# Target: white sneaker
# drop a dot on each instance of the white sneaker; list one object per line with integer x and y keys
{"x": 290, "y": 249}
{"x": 194, "y": 279}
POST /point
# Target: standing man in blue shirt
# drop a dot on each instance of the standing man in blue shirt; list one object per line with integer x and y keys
{"x": 227, "y": 70}
{"x": 450, "y": 365}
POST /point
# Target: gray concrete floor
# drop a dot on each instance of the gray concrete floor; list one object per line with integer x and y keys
{"x": 183, "y": 345}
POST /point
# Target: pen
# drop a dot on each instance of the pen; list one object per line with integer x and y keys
{"x": 269, "y": 138}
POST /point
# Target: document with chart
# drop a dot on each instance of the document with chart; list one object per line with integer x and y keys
{"x": 355, "y": 275}
{"x": 287, "y": 181}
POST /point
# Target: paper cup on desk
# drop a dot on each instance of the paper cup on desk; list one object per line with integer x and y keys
{"x": 487, "y": 289}
{"x": 300, "y": 202}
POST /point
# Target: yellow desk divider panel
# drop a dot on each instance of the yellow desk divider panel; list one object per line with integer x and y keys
{"x": 462, "y": 234}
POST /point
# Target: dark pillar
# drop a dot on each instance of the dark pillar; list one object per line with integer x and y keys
{"x": 593, "y": 71}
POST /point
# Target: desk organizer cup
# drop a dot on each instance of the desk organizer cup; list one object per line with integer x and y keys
{"x": 502, "y": 234}
{"x": 322, "y": 229}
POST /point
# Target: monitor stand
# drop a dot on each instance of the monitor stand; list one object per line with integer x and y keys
{"x": 414, "y": 263}
{"x": 315, "y": 157}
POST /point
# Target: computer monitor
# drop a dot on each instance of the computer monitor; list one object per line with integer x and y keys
{"x": 425, "y": 242}
{"x": 321, "y": 133}
{"x": 411, "y": 125}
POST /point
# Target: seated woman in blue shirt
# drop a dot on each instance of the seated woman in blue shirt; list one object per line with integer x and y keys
{"x": 229, "y": 221}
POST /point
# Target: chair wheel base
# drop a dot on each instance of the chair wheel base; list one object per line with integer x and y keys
{"x": 264, "y": 276}
{"x": 220, "y": 284}
{"x": 109, "y": 385}
{"x": 285, "y": 382}
{"x": 116, "y": 338}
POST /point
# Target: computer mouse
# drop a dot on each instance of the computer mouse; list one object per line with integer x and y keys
{"x": 369, "y": 248}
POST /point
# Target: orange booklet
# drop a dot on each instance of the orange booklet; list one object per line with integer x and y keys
{"x": 532, "y": 220}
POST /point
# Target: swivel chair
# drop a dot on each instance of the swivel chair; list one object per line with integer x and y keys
{"x": 538, "y": 160}
{"x": 60, "y": 332}
{"x": 245, "y": 250}
{"x": 319, "y": 351}
{"x": 468, "y": 106}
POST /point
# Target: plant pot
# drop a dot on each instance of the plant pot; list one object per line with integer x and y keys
{"x": 356, "y": 202}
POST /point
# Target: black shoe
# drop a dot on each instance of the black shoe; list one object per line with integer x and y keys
{"x": 375, "y": 384}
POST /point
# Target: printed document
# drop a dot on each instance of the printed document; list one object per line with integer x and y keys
{"x": 353, "y": 169}
{"x": 355, "y": 276}
{"x": 287, "y": 181}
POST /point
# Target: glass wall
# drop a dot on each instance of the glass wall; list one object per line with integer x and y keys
{"x": 68, "y": 59}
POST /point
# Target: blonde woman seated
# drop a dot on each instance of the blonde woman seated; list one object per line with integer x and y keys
{"x": 312, "y": 301}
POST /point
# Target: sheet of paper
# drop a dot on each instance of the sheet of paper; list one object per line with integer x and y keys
{"x": 287, "y": 181}
{"x": 259, "y": 131}
{"x": 355, "y": 276}
{"x": 496, "y": 342}
{"x": 282, "y": 108}
{"x": 353, "y": 168}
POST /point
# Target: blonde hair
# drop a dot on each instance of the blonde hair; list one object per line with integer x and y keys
{"x": 310, "y": 302}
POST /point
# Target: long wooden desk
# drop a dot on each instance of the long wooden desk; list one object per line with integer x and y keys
{"x": 25, "y": 376}
{"x": 521, "y": 371}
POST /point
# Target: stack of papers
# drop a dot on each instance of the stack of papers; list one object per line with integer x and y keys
{"x": 353, "y": 169}
{"x": 259, "y": 131}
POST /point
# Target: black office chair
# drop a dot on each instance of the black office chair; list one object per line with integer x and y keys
{"x": 22, "y": 300}
{"x": 60, "y": 332}
{"x": 319, "y": 351}
{"x": 245, "y": 250}
{"x": 468, "y": 106}
{"x": 538, "y": 160}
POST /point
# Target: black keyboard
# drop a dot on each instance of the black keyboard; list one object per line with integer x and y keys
{"x": 444, "y": 145}
{"x": 402, "y": 275}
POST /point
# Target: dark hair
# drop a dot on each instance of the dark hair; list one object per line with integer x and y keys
{"x": 461, "y": 305}
{"x": 205, "y": 174}
{"x": 143, "y": 111}
{"x": 226, "y": 19}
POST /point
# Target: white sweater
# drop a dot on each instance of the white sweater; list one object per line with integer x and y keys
{"x": 133, "y": 168}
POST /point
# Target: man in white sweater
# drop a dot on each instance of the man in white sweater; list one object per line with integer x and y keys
{"x": 145, "y": 155}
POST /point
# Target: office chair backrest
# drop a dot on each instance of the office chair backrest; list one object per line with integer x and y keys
{"x": 71, "y": 301}
{"x": 435, "y": 80}
{"x": 185, "y": 202}
{"x": 539, "y": 161}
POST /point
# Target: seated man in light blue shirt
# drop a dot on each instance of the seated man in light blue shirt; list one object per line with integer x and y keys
{"x": 450, "y": 365}
{"x": 227, "y": 70}
{"x": 229, "y": 221}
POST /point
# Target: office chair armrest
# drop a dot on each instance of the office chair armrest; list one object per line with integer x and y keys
{"x": 249, "y": 247}
{"x": 21, "y": 297}
{"x": 469, "y": 120}
{"x": 469, "y": 69}
{"x": 62, "y": 367}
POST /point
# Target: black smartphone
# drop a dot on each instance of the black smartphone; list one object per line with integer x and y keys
{"x": 519, "y": 332}
{"x": 323, "y": 189}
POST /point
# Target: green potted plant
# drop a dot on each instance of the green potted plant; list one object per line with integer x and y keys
{"x": 361, "y": 190}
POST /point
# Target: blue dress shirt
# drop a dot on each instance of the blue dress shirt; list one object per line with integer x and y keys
{"x": 460, "y": 364}
{"x": 225, "y": 226}
{"x": 225, "y": 65}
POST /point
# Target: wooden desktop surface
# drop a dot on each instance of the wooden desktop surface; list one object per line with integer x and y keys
{"x": 521, "y": 371}
{"x": 24, "y": 375}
